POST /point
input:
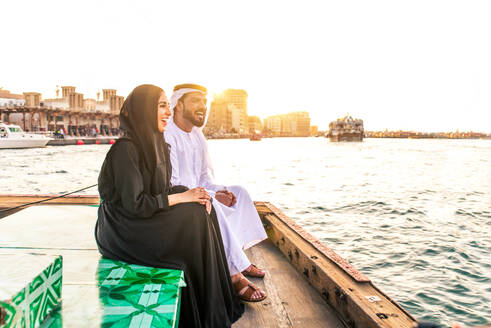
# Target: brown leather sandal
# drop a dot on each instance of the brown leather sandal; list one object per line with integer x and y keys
{"x": 244, "y": 293}
{"x": 254, "y": 271}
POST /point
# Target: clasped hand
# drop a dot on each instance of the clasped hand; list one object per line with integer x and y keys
{"x": 198, "y": 195}
{"x": 226, "y": 197}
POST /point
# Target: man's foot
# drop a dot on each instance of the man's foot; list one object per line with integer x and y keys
{"x": 246, "y": 290}
{"x": 253, "y": 271}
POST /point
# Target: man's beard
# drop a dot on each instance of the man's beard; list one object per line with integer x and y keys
{"x": 188, "y": 115}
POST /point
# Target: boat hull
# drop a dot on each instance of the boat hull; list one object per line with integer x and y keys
{"x": 12, "y": 143}
{"x": 351, "y": 137}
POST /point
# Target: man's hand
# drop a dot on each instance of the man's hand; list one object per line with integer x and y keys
{"x": 226, "y": 197}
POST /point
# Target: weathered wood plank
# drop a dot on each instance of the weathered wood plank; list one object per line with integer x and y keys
{"x": 291, "y": 301}
{"x": 271, "y": 312}
{"x": 13, "y": 200}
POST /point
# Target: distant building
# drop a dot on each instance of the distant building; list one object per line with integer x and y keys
{"x": 236, "y": 119}
{"x": 33, "y": 99}
{"x": 71, "y": 112}
{"x": 66, "y": 91}
{"x": 8, "y": 99}
{"x": 114, "y": 101}
{"x": 296, "y": 124}
{"x": 11, "y": 99}
{"x": 302, "y": 122}
{"x": 238, "y": 98}
{"x": 273, "y": 124}
{"x": 90, "y": 104}
{"x": 59, "y": 103}
{"x": 228, "y": 113}
{"x": 220, "y": 117}
{"x": 69, "y": 99}
{"x": 288, "y": 125}
{"x": 76, "y": 100}
{"x": 103, "y": 106}
{"x": 108, "y": 93}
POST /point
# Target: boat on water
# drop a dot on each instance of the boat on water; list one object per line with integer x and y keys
{"x": 308, "y": 284}
{"x": 12, "y": 136}
{"x": 346, "y": 129}
{"x": 255, "y": 137}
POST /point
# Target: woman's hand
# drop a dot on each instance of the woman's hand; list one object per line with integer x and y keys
{"x": 198, "y": 195}
{"x": 195, "y": 195}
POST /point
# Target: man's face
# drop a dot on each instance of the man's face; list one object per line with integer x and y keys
{"x": 194, "y": 108}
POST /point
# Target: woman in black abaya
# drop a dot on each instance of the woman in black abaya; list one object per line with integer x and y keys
{"x": 143, "y": 220}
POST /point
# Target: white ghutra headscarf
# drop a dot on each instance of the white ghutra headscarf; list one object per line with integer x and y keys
{"x": 196, "y": 130}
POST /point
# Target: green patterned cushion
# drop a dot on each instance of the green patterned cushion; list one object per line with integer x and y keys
{"x": 139, "y": 296}
{"x": 30, "y": 288}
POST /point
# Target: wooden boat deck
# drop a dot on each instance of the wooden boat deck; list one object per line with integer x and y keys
{"x": 308, "y": 285}
{"x": 291, "y": 301}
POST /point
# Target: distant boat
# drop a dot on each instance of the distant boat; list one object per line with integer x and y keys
{"x": 255, "y": 137}
{"x": 12, "y": 136}
{"x": 346, "y": 129}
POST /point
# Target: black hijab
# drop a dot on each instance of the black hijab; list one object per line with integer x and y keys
{"x": 138, "y": 121}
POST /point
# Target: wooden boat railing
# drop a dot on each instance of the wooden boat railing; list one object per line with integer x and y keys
{"x": 358, "y": 302}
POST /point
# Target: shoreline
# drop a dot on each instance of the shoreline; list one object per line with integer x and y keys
{"x": 71, "y": 141}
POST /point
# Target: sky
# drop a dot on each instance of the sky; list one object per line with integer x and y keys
{"x": 410, "y": 65}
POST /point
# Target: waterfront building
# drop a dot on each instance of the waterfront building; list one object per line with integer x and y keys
{"x": 302, "y": 124}
{"x": 103, "y": 107}
{"x": 288, "y": 125}
{"x": 114, "y": 101}
{"x": 60, "y": 103}
{"x": 90, "y": 104}
{"x": 220, "y": 118}
{"x": 33, "y": 99}
{"x": 11, "y": 99}
{"x": 295, "y": 124}
{"x": 228, "y": 113}
{"x": 236, "y": 119}
{"x": 76, "y": 100}
{"x": 66, "y": 91}
{"x": 70, "y": 113}
{"x": 238, "y": 98}
{"x": 273, "y": 125}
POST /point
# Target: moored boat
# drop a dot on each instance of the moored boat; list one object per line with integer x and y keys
{"x": 12, "y": 136}
{"x": 308, "y": 284}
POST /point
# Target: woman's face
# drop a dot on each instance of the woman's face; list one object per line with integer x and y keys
{"x": 163, "y": 112}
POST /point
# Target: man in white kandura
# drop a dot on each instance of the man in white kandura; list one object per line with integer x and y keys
{"x": 240, "y": 224}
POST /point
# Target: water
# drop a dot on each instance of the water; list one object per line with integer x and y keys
{"x": 413, "y": 215}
